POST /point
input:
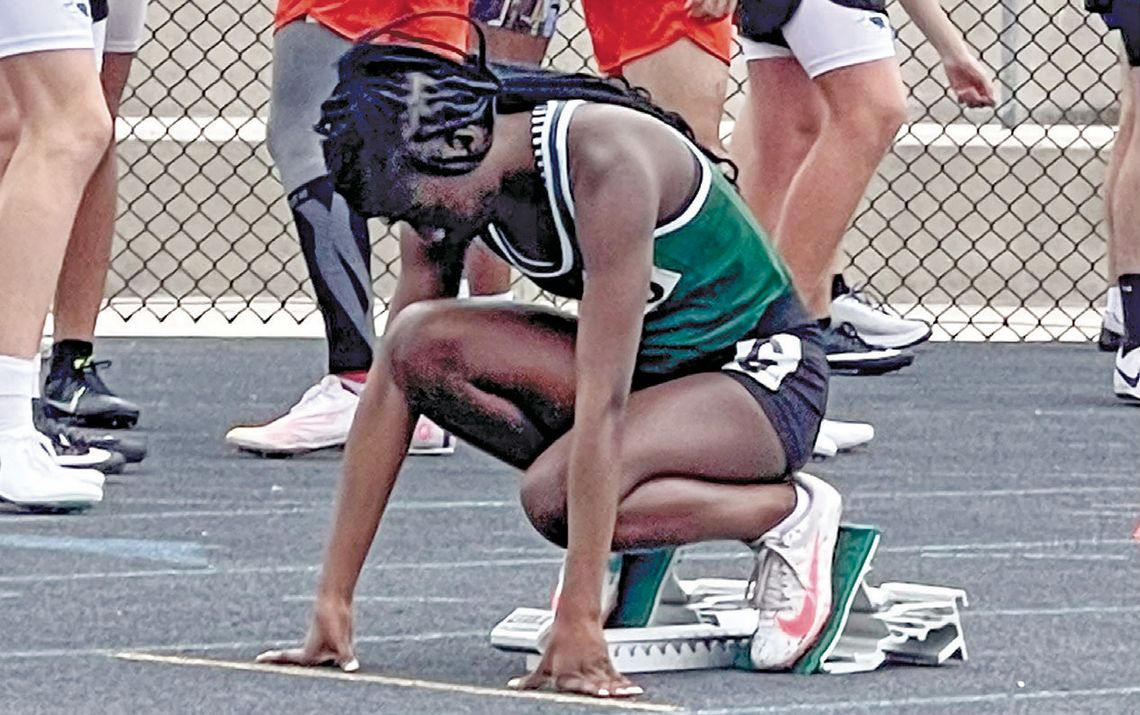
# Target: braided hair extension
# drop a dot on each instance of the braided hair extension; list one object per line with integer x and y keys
{"x": 401, "y": 106}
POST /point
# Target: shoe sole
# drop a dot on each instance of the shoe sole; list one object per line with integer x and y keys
{"x": 878, "y": 342}
{"x": 104, "y": 420}
{"x": 133, "y": 454}
{"x": 431, "y": 451}
{"x": 879, "y": 366}
{"x": 50, "y": 507}
{"x": 275, "y": 453}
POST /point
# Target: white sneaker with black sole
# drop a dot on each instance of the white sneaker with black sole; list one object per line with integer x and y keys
{"x": 1126, "y": 374}
{"x": 30, "y": 478}
{"x": 847, "y": 352}
{"x": 875, "y": 321}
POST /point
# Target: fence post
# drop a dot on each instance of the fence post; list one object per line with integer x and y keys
{"x": 1011, "y": 74}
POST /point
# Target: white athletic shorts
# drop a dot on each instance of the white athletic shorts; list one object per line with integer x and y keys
{"x": 125, "y": 25}
{"x": 41, "y": 25}
{"x": 824, "y": 36}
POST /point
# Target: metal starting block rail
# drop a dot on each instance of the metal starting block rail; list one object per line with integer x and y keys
{"x": 663, "y": 623}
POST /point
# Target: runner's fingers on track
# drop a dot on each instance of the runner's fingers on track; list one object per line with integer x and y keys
{"x": 303, "y": 657}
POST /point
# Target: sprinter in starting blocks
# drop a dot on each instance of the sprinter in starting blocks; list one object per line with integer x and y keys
{"x": 662, "y": 623}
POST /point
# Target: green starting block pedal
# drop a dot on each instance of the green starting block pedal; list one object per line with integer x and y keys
{"x": 664, "y": 624}
{"x": 894, "y": 622}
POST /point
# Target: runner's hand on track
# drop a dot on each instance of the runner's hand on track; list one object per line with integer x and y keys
{"x": 576, "y": 660}
{"x": 710, "y": 9}
{"x": 329, "y": 641}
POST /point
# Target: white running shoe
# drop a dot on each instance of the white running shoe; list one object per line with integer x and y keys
{"x": 1126, "y": 375}
{"x": 791, "y": 585}
{"x": 29, "y": 476}
{"x": 320, "y": 420}
{"x": 875, "y": 322}
{"x": 429, "y": 439}
{"x": 825, "y": 447}
{"x": 846, "y": 435}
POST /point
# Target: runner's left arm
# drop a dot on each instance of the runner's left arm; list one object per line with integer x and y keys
{"x": 617, "y": 199}
{"x": 971, "y": 82}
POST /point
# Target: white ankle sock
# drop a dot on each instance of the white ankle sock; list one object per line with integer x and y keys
{"x": 16, "y": 378}
{"x": 799, "y": 511}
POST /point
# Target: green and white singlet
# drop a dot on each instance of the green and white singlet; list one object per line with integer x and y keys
{"x": 714, "y": 276}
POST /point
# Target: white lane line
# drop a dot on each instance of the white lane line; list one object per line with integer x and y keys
{"x": 934, "y": 550}
{"x": 387, "y": 599}
{"x": 282, "y": 569}
{"x": 1061, "y": 611}
{"x": 230, "y": 645}
{"x": 9, "y": 594}
{"x": 535, "y": 561}
{"x": 992, "y": 493}
{"x": 509, "y": 504}
{"x": 1004, "y": 545}
{"x": 849, "y": 705}
{"x": 1000, "y": 555}
{"x": 397, "y": 682}
{"x": 286, "y": 511}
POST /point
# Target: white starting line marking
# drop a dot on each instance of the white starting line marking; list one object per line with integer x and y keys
{"x": 397, "y": 682}
{"x": 386, "y": 599}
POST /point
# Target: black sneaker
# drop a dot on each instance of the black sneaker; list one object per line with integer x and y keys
{"x": 132, "y": 451}
{"x": 72, "y": 451}
{"x": 78, "y": 394}
{"x": 848, "y": 353}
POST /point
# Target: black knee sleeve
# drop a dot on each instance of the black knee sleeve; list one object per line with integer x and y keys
{"x": 338, "y": 253}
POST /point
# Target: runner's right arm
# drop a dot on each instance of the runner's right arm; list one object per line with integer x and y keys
{"x": 376, "y": 448}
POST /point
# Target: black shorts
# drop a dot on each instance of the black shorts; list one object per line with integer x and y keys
{"x": 762, "y": 20}
{"x": 1124, "y": 15}
{"x": 783, "y": 366}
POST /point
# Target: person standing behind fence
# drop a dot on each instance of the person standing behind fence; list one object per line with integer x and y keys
{"x": 1123, "y": 200}
{"x": 54, "y": 131}
{"x": 311, "y": 36}
{"x": 825, "y": 101}
{"x": 681, "y": 59}
{"x": 74, "y": 390}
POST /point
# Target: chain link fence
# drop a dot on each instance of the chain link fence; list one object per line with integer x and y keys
{"x": 987, "y": 222}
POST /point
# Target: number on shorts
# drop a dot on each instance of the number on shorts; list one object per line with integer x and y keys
{"x": 768, "y": 360}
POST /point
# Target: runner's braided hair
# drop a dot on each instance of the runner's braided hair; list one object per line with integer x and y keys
{"x": 401, "y": 107}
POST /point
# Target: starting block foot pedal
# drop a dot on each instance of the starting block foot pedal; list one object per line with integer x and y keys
{"x": 662, "y": 623}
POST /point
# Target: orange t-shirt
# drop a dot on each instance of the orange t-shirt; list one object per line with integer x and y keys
{"x": 352, "y": 18}
{"x": 625, "y": 30}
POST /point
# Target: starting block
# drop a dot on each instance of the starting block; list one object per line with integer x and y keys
{"x": 663, "y": 623}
